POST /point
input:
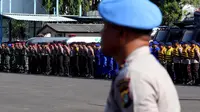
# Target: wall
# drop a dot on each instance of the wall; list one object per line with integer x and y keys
{"x": 84, "y": 34}
{"x": 48, "y": 30}
{"x": 23, "y": 6}
{"x": 54, "y": 34}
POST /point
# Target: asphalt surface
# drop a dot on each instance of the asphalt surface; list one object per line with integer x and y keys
{"x": 31, "y": 93}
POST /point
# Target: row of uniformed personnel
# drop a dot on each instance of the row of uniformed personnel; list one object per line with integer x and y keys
{"x": 181, "y": 59}
{"x": 76, "y": 59}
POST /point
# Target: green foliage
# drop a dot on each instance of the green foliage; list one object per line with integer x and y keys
{"x": 48, "y": 4}
{"x": 172, "y": 9}
{"x": 85, "y": 6}
{"x": 171, "y": 12}
{"x": 18, "y": 29}
{"x": 69, "y": 6}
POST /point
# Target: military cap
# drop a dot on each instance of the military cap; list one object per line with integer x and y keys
{"x": 169, "y": 44}
{"x": 137, "y": 14}
{"x": 185, "y": 42}
{"x": 155, "y": 43}
{"x": 98, "y": 45}
{"x": 193, "y": 42}
{"x": 161, "y": 43}
{"x": 175, "y": 41}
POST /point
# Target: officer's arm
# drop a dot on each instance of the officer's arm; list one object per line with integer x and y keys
{"x": 180, "y": 50}
{"x": 198, "y": 53}
{"x": 189, "y": 49}
{"x": 144, "y": 94}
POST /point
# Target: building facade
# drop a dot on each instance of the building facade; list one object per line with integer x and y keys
{"x": 23, "y": 6}
{"x": 64, "y": 30}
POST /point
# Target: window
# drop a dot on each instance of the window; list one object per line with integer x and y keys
{"x": 161, "y": 36}
{"x": 175, "y": 35}
{"x": 59, "y": 35}
{"x": 188, "y": 36}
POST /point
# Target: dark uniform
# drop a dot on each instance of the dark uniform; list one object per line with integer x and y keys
{"x": 7, "y": 59}
{"x": 66, "y": 61}
{"x": 91, "y": 59}
{"x": 12, "y": 59}
{"x": 75, "y": 61}
{"x": 60, "y": 54}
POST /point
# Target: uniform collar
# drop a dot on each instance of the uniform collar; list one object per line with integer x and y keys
{"x": 138, "y": 52}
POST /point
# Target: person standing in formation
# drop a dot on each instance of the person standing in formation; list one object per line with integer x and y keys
{"x": 194, "y": 56}
{"x": 169, "y": 58}
{"x": 177, "y": 61}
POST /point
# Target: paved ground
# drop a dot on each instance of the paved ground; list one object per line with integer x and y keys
{"x": 29, "y": 93}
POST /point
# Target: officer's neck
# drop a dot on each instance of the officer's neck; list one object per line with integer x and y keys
{"x": 130, "y": 46}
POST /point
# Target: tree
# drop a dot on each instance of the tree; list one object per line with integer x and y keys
{"x": 51, "y": 4}
{"x": 18, "y": 29}
{"x": 86, "y": 6}
{"x": 171, "y": 12}
{"x": 48, "y": 4}
{"x": 70, "y": 7}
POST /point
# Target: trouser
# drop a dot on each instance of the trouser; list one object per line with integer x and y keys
{"x": 30, "y": 64}
{"x": 39, "y": 64}
{"x": 74, "y": 63}
{"x": 44, "y": 64}
{"x": 60, "y": 69}
{"x": 7, "y": 64}
{"x": 54, "y": 65}
{"x": 186, "y": 72}
{"x": 98, "y": 71}
{"x": 12, "y": 63}
{"x": 163, "y": 64}
{"x": 66, "y": 65}
{"x": 169, "y": 70}
{"x": 90, "y": 66}
{"x": 178, "y": 73}
{"x": 34, "y": 65}
{"x": 194, "y": 72}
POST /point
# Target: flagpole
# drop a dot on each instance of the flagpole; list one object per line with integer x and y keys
{"x": 10, "y": 6}
{"x": 57, "y": 7}
{"x": 35, "y": 6}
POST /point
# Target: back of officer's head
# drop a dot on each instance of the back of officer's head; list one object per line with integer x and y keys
{"x": 126, "y": 22}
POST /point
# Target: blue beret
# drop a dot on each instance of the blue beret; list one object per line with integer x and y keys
{"x": 155, "y": 43}
{"x": 138, "y": 14}
{"x": 9, "y": 45}
{"x": 181, "y": 43}
{"x": 97, "y": 45}
{"x": 169, "y": 44}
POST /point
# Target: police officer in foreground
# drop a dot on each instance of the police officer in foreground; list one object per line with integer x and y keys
{"x": 142, "y": 85}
